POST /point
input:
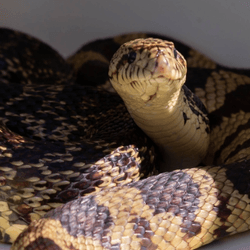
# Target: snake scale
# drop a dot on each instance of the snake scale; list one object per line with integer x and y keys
{"x": 66, "y": 137}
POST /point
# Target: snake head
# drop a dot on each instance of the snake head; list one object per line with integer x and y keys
{"x": 147, "y": 69}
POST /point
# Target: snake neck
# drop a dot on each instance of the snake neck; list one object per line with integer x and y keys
{"x": 179, "y": 128}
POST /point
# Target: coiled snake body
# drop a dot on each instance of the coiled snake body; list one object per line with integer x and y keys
{"x": 57, "y": 136}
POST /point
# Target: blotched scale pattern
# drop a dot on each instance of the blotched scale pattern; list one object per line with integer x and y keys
{"x": 183, "y": 209}
{"x": 32, "y": 61}
{"x": 48, "y": 176}
{"x": 54, "y": 161}
{"x": 206, "y": 203}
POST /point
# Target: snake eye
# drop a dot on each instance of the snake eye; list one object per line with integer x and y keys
{"x": 131, "y": 57}
{"x": 175, "y": 54}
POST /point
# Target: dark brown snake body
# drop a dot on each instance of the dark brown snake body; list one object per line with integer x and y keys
{"x": 54, "y": 133}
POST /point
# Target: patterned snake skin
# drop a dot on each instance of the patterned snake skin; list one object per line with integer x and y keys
{"x": 60, "y": 139}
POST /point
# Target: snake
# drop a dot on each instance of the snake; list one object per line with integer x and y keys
{"x": 160, "y": 165}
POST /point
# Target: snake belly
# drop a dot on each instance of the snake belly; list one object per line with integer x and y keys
{"x": 183, "y": 209}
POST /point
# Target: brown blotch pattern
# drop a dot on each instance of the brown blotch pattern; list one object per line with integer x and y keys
{"x": 197, "y": 60}
{"x": 25, "y": 199}
{"x": 218, "y": 85}
{"x": 216, "y": 198}
{"x": 183, "y": 209}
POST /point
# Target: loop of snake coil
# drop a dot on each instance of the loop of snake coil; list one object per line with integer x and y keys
{"x": 54, "y": 131}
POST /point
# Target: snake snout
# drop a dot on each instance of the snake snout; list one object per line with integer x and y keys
{"x": 161, "y": 66}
